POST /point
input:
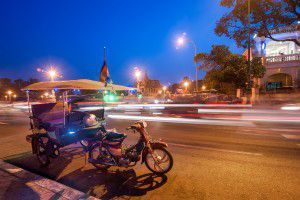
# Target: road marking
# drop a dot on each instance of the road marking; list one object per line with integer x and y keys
{"x": 216, "y": 149}
{"x": 257, "y": 134}
{"x": 283, "y": 130}
{"x": 291, "y": 137}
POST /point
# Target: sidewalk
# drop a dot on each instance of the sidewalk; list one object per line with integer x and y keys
{"x": 17, "y": 183}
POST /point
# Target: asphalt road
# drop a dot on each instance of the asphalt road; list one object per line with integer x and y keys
{"x": 261, "y": 161}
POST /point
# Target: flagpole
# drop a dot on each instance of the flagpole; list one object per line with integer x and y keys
{"x": 104, "y": 53}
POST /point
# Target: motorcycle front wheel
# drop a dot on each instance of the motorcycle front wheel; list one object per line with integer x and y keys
{"x": 160, "y": 161}
{"x": 94, "y": 155}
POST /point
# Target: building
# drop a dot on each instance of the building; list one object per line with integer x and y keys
{"x": 149, "y": 87}
{"x": 282, "y": 59}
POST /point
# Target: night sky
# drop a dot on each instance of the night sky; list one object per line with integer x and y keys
{"x": 71, "y": 34}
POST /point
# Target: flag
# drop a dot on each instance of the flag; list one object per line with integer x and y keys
{"x": 104, "y": 74}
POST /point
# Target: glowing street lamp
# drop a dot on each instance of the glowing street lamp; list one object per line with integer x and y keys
{"x": 164, "y": 88}
{"x": 186, "y": 84}
{"x": 9, "y": 92}
{"x": 137, "y": 74}
{"x": 181, "y": 41}
{"x": 14, "y": 96}
{"x": 203, "y": 87}
{"x": 52, "y": 74}
{"x": 5, "y": 97}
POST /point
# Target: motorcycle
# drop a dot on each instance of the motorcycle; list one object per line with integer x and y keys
{"x": 110, "y": 151}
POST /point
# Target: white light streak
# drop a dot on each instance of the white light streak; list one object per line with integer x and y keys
{"x": 181, "y": 120}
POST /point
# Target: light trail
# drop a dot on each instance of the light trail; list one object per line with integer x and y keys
{"x": 290, "y": 108}
{"x": 294, "y": 120}
{"x": 185, "y": 105}
{"x": 245, "y": 111}
{"x": 181, "y": 120}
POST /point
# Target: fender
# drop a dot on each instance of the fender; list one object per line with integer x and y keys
{"x": 156, "y": 144}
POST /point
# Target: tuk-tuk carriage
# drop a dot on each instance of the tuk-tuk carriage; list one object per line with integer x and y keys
{"x": 56, "y": 125}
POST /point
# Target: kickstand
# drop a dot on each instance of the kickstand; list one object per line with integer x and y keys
{"x": 84, "y": 158}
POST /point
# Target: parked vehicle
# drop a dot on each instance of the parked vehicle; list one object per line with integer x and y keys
{"x": 110, "y": 151}
{"x": 56, "y": 125}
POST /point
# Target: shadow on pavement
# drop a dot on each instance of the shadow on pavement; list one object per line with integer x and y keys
{"x": 109, "y": 184}
{"x": 113, "y": 184}
{"x": 57, "y": 166}
{"x": 17, "y": 190}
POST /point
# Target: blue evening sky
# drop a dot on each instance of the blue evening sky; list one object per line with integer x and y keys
{"x": 71, "y": 34}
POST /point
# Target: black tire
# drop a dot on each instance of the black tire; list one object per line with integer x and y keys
{"x": 42, "y": 156}
{"x": 96, "y": 165}
{"x": 171, "y": 161}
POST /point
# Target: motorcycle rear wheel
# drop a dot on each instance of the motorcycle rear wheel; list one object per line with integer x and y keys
{"x": 162, "y": 155}
{"x": 94, "y": 154}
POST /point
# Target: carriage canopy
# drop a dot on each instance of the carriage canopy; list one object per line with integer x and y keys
{"x": 81, "y": 84}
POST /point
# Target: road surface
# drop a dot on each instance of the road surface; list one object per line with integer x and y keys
{"x": 255, "y": 161}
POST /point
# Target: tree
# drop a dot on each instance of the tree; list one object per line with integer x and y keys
{"x": 266, "y": 16}
{"x": 224, "y": 67}
{"x": 20, "y": 83}
{"x": 173, "y": 88}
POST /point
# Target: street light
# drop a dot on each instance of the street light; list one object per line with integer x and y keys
{"x": 182, "y": 40}
{"x": 186, "y": 84}
{"x": 9, "y": 92}
{"x": 137, "y": 74}
{"x": 164, "y": 88}
{"x": 203, "y": 87}
{"x": 52, "y": 74}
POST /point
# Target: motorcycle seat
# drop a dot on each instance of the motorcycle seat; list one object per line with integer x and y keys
{"x": 114, "y": 136}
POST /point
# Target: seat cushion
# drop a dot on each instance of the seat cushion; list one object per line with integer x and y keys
{"x": 114, "y": 136}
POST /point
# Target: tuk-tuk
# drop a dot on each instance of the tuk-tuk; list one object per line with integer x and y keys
{"x": 56, "y": 125}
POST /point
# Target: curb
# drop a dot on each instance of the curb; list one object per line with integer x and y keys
{"x": 42, "y": 182}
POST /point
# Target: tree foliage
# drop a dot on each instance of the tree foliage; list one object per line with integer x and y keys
{"x": 266, "y": 15}
{"x": 16, "y": 85}
{"x": 224, "y": 67}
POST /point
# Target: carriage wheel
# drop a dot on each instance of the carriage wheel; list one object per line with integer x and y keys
{"x": 42, "y": 155}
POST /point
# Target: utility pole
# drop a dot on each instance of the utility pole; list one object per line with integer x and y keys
{"x": 249, "y": 45}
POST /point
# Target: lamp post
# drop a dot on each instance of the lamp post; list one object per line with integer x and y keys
{"x": 9, "y": 92}
{"x": 180, "y": 42}
{"x": 249, "y": 45}
{"x": 137, "y": 74}
{"x": 52, "y": 74}
{"x": 164, "y": 89}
